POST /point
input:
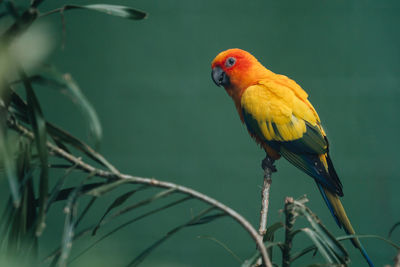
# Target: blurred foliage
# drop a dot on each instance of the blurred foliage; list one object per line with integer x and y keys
{"x": 28, "y": 141}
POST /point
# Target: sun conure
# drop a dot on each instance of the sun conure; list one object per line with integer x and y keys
{"x": 280, "y": 118}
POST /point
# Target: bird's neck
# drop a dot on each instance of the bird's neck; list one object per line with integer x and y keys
{"x": 239, "y": 84}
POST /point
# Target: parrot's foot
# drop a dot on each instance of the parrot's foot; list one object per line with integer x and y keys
{"x": 268, "y": 163}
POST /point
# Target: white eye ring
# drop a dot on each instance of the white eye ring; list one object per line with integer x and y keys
{"x": 230, "y": 62}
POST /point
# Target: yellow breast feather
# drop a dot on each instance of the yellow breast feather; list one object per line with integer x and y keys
{"x": 280, "y": 114}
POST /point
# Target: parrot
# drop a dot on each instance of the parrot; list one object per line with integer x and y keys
{"x": 281, "y": 119}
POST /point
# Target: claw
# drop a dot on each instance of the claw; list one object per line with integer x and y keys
{"x": 268, "y": 163}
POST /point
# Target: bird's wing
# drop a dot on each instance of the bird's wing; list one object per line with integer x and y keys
{"x": 275, "y": 114}
{"x": 282, "y": 116}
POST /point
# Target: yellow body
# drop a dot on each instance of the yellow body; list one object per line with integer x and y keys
{"x": 270, "y": 102}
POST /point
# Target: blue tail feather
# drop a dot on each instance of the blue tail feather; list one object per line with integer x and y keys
{"x": 366, "y": 257}
{"x": 329, "y": 204}
{"x": 356, "y": 244}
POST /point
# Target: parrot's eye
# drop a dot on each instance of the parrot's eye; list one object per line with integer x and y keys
{"x": 230, "y": 62}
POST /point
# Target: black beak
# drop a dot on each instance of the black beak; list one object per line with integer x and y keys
{"x": 219, "y": 77}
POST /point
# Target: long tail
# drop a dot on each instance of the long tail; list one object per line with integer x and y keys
{"x": 335, "y": 206}
{"x": 338, "y": 212}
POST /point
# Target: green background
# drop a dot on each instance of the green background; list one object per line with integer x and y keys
{"x": 163, "y": 116}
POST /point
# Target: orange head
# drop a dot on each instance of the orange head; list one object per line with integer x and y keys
{"x": 235, "y": 70}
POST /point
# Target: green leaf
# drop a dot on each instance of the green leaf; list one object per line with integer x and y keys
{"x": 85, "y": 210}
{"x": 19, "y": 109}
{"x": 6, "y": 219}
{"x": 272, "y": 229}
{"x": 250, "y": 261}
{"x": 269, "y": 235}
{"x": 303, "y": 252}
{"x": 393, "y": 228}
{"x": 138, "y": 218}
{"x": 147, "y": 201}
{"x": 69, "y": 87}
{"x": 106, "y": 187}
{"x": 57, "y": 188}
{"x": 69, "y": 227}
{"x": 116, "y": 203}
{"x": 66, "y": 137}
{"x": 208, "y": 219}
{"x": 321, "y": 246}
{"x": 64, "y": 193}
{"x": 71, "y": 210}
{"x": 114, "y": 10}
{"x": 327, "y": 237}
{"x": 340, "y": 238}
{"x": 223, "y": 245}
{"x": 39, "y": 129}
{"x": 55, "y": 254}
{"x": 326, "y": 243}
{"x": 148, "y": 250}
{"x": 9, "y": 168}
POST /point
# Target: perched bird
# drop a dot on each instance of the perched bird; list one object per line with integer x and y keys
{"x": 280, "y": 118}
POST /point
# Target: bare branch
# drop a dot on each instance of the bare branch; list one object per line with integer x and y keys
{"x": 268, "y": 167}
{"x": 152, "y": 182}
{"x": 265, "y": 202}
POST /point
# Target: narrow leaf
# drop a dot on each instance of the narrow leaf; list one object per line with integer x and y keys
{"x": 325, "y": 235}
{"x": 149, "y": 200}
{"x": 148, "y": 250}
{"x": 114, "y": 10}
{"x": 340, "y": 238}
{"x": 223, "y": 245}
{"x": 327, "y": 243}
{"x": 85, "y": 211}
{"x": 393, "y": 228}
{"x": 302, "y": 253}
{"x": 208, "y": 219}
{"x": 19, "y": 109}
{"x": 320, "y": 246}
{"x": 69, "y": 228}
{"x": 71, "y": 210}
{"x": 39, "y": 129}
{"x": 64, "y": 193}
{"x": 116, "y": 203}
{"x": 130, "y": 222}
{"x": 250, "y": 261}
{"x": 9, "y": 168}
{"x": 271, "y": 230}
{"x": 66, "y": 85}
{"x": 57, "y": 188}
{"x": 105, "y": 188}
{"x": 66, "y": 137}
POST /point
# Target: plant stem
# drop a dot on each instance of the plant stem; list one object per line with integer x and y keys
{"x": 289, "y": 222}
{"x": 265, "y": 201}
{"x": 152, "y": 182}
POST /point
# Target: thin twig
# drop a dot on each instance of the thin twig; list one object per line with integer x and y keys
{"x": 265, "y": 202}
{"x": 152, "y": 182}
{"x": 269, "y": 168}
